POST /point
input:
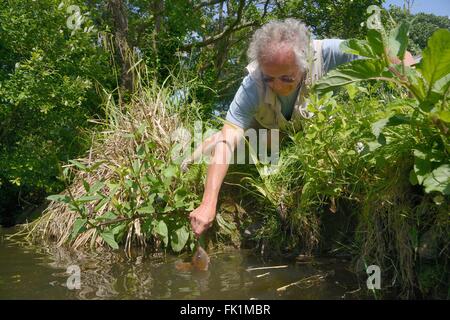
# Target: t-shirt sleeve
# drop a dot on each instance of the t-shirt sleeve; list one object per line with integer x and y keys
{"x": 243, "y": 107}
{"x": 333, "y": 56}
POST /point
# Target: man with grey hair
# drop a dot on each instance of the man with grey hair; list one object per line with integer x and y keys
{"x": 284, "y": 60}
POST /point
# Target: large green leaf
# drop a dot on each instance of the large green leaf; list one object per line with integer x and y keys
{"x": 353, "y": 71}
{"x": 179, "y": 238}
{"x": 435, "y": 62}
{"x": 161, "y": 229}
{"x": 375, "y": 40}
{"x": 108, "y": 236}
{"x": 444, "y": 116}
{"x": 357, "y": 47}
{"x": 77, "y": 225}
{"x": 441, "y": 86}
{"x": 395, "y": 120}
{"x": 377, "y": 127}
{"x": 398, "y": 40}
{"x": 370, "y": 48}
{"x": 438, "y": 180}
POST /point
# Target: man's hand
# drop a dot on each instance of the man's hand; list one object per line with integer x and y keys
{"x": 202, "y": 218}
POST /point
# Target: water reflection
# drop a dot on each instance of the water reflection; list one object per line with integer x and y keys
{"x": 37, "y": 272}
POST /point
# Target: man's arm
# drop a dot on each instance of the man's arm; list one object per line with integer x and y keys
{"x": 333, "y": 56}
{"x": 203, "y": 217}
{"x": 202, "y": 150}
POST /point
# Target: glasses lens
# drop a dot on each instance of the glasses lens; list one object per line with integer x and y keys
{"x": 287, "y": 79}
{"x": 268, "y": 79}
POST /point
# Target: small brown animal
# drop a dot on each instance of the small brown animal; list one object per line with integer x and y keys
{"x": 199, "y": 262}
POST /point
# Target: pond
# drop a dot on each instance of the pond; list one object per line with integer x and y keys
{"x": 37, "y": 272}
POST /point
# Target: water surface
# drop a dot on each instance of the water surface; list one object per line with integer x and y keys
{"x": 36, "y": 272}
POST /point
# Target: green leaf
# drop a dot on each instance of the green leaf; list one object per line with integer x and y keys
{"x": 179, "y": 238}
{"x": 146, "y": 209}
{"x": 435, "y": 62}
{"x": 180, "y": 204}
{"x": 119, "y": 229}
{"x": 370, "y": 48}
{"x": 375, "y": 40}
{"x": 59, "y": 198}
{"x": 89, "y": 198}
{"x": 398, "y": 40}
{"x": 395, "y": 120}
{"x": 180, "y": 195}
{"x": 101, "y": 204}
{"x": 378, "y": 126}
{"x": 77, "y": 225}
{"x": 170, "y": 171}
{"x": 107, "y": 216}
{"x": 86, "y": 185}
{"x": 413, "y": 178}
{"x": 97, "y": 186}
{"x": 136, "y": 166}
{"x": 373, "y": 145}
{"x": 78, "y": 165}
{"x": 353, "y": 71}
{"x": 438, "y": 180}
{"x": 441, "y": 86}
{"x": 161, "y": 229}
{"x": 444, "y": 116}
{"x": 141, "y": 151}
{"x": 108, "y": 236}
{"x": 422, "y": 166}
{"x": 96, "y": 165}
{"x": 357, "y": 47}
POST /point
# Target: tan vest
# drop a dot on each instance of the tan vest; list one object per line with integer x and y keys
{"x": 268, "y": 114}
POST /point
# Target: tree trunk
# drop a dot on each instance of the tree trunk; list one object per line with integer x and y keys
{"x": 119, "y": 14}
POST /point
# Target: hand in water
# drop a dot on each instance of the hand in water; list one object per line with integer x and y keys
{"x": 202, "y": 218}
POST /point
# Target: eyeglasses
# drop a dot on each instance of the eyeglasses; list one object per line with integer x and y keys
{"x": 284, "y": 78}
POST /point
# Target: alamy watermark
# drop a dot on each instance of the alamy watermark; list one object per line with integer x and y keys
{"x": 374, "y": 279}
{"x": 76, "y": 18}
{"x": 74, "y": 280}
{"x": 252, "y": 146}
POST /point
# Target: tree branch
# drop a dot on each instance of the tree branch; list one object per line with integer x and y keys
{"x": 207, "y": 3}
{"x": 266, "y": 5}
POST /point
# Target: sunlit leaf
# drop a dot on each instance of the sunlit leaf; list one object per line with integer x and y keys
{"x": 438, "y": 180}
{"x": 179, "y": 238}
{"x": 161, "y": 229}
{"x": 435, "y": 62}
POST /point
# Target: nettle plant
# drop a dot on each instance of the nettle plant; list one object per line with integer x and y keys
{"x": 423, "y": 104}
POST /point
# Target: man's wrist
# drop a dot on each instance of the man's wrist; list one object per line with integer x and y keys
{"x": 210, "y": 202}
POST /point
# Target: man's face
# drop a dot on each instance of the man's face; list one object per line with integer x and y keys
{"x": 280, "y": 71}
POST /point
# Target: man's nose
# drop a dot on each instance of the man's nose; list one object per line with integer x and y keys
{"x": 277, "y": 84}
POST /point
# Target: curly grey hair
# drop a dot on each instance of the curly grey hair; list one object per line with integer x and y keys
{"x": 289, "y": 32}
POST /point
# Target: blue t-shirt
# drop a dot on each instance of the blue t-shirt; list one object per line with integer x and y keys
{"x": 246, "y": 101}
